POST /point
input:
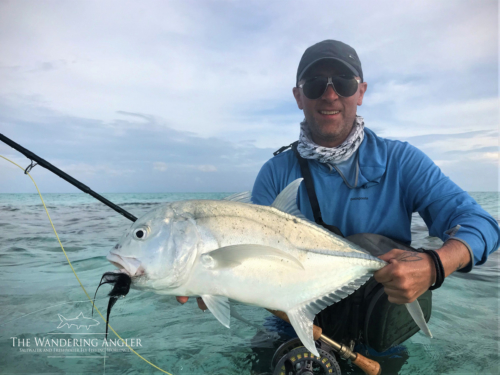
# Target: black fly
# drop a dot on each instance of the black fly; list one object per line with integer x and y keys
{"x": 121, "y": 288}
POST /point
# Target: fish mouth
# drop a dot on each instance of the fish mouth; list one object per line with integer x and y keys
{"x": 129, "y": 265}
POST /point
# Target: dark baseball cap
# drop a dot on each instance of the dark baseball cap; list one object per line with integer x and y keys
{"x": 330, "y": 50}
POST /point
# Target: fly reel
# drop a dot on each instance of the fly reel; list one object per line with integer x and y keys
{"x": 292, "y": 358}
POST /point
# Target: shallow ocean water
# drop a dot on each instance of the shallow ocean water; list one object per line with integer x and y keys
{"x": 39, "y": 293}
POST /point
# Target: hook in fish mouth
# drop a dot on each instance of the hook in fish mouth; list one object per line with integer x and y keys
{"x": 121, "y": 288}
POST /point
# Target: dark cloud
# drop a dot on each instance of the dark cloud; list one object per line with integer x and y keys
{"x": 124, "y": 155}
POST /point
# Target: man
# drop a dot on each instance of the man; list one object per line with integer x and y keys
{"x": 367, "y": 184}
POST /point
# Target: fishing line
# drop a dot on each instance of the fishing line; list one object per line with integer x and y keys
{"x": 74, "y": 272}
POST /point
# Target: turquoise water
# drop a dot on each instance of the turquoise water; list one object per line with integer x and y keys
{"x": 37, "y": 286}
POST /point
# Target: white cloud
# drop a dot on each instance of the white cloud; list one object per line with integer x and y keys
{"x": 160, "y": 166}
{"x": 226, "y": 70}
{"x": 493, "y": 157}
{"x": 206, "y": 168}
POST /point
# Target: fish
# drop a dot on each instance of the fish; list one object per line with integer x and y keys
{"x": 267, "y": 256}
{"x": 78, "y": 322}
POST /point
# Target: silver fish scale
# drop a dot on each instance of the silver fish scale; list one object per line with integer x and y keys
{"x": 259, "y": 224}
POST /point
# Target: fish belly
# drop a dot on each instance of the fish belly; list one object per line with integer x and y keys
{"x": 278, "y": 285}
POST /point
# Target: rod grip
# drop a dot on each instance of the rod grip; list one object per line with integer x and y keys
{"x": 317, "y": 331}
{"x": 368, "y": 366}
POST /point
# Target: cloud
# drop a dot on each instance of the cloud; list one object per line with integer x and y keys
{"x": 206, "y": 168}
{"x": 206, "y": 86}
{"x": 488, "y": 150}
{"x": 118, "y": 155}
{"x": 160, "y": 166}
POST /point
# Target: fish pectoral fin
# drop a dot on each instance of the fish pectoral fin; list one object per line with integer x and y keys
{"x": 245, "y": 197}
{"x": 234, "y": 255}
{"x": 301, "y": 320}
{"x": 418, "y": 316}
{"x": 219, "y": 306}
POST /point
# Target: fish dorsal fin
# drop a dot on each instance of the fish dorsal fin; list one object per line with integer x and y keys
{"x": 219, "y": 306}
{"x": 245, "y": 197}
{"x": 302, "y": 316}
{"x": 286, "y": 201}
{"x": 234, "y": 255}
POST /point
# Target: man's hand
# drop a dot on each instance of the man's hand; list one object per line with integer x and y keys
{"x": 409, "y": 273}
{"x": 201, "y": 304}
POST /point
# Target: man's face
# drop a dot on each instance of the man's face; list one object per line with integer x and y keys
{"x": 329, "y": 129}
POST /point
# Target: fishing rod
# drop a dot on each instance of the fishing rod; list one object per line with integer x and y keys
{"x": 43, "y": 163}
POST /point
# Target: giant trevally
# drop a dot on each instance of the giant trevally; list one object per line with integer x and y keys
{"x": 268, "y": 256}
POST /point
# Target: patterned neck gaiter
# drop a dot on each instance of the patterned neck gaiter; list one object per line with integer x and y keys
{"x": 310, "y": 150}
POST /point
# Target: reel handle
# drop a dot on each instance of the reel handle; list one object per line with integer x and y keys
{"x": 368, "y": 366}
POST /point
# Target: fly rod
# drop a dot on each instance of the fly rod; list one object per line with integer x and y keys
{"x": 43, "y": 163}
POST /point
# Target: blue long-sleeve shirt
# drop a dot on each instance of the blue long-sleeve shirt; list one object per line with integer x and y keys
{"x": 378, "y": 189}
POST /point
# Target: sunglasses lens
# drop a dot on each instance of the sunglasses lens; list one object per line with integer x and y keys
{"x": 315, "y": 87}
{"x": 345, "y": 86}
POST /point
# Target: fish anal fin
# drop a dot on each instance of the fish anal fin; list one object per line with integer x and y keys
{"x": 320, "y": 303}
{"x": 234, "y": 255}
{"x": 302, "y": 321}
{"x": 302, "y": 316}
{"x": 219, "y": 306}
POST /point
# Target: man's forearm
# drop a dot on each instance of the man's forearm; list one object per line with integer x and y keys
{"x": 454, "y": 256}
{"x": 410, "y": 274}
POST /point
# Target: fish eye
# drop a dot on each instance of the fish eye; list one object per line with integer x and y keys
{"x": 141, "y": 233}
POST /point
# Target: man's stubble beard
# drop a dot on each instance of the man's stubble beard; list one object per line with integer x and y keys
{"x": 337, "y": 138}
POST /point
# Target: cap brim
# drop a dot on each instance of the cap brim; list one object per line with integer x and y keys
{"x": 346, "y": 64}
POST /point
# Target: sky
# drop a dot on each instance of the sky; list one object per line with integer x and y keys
{"x": 194, "y": 96}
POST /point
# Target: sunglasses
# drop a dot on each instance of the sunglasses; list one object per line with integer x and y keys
{"x": 315, "y": 87}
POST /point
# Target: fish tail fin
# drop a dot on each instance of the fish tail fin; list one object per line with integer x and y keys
{"x": 63, "y": 321}
{"x": 418, "y": 316}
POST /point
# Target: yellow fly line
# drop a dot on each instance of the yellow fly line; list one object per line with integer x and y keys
{"x": 64, "y": 251}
